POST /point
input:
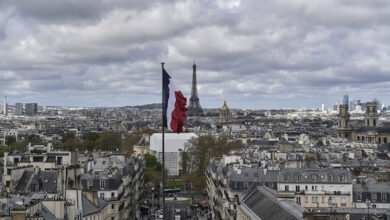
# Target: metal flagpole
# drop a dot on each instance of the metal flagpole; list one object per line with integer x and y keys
{"x": 163, "y": 142}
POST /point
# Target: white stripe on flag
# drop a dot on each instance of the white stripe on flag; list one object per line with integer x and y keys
{"x": 171, "y": 102}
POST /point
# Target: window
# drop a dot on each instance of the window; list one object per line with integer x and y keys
{"x": 331, "y": 178}
{"x": 102, "y": 184}
{"x": 298, "y": 177}
{"x": 314, "y": 199}
{"x": 306, "y": 188}
{"x": 297, "y": 189}
{"x": 102, "y": 195}
{"x": 306, "y": 199}
{"x": 287, "y": 177}
{"x": 343, "y": 201}
{"x": 298, "y": 199}
{"x": 112, "y": 194}
{"x": 373, "y": 197}
{"x": 7, "y": 183}
{"x": 112, "y": 206}
{"x": 286, "y": 188}
{"x": 359, "y": 197}
{"x": 384, "y": 196}
{"x": 323, "y": 199}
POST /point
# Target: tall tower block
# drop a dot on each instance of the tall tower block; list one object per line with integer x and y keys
{"x": 5, "y": 106}
{"x": 194, "y": 108}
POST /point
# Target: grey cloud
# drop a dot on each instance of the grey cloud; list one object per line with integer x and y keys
{"x": 279, "y": 53}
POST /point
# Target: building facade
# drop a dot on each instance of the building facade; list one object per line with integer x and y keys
{"x": 330, "y": 187}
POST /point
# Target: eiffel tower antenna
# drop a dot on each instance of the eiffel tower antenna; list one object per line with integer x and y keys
{"x": 194, "y": 108}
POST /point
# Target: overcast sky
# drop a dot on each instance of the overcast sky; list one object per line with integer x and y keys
{"x": 255, "y": 53}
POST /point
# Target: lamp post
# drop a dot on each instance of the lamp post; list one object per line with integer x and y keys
{"x": 368, "y": 203}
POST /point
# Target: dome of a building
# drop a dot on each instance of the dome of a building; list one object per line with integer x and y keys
{"x": 225, "y": 107}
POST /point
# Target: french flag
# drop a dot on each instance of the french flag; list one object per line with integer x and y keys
{"x": 175, "y": 105}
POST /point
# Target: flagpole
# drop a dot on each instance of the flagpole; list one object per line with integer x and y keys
{"x": 163, "y": 141}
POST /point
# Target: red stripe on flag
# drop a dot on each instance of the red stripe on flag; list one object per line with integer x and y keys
{"x": 179, "y": 113}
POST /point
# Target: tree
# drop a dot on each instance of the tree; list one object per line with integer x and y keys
{"x": 3, "y": 149}
{"x": 22, "y": 145}
{"x": 9, "y": 140}
{"x": 153, "y": 169}
{"x": 197, "y": 154}
{"x": 109, "y": 141}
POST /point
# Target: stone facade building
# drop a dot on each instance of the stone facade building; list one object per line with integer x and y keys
{"x": 371, "y": 132}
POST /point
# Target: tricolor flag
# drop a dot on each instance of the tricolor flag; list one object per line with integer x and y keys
{"x": 175, "y": 105}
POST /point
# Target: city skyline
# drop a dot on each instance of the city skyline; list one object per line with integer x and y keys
{"x": 274, "y": 54}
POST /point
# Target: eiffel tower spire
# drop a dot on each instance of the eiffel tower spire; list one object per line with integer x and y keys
{"x": 194, "y": 108}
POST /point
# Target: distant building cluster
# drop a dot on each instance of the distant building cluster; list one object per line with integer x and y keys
{"x": 29, "y": 109}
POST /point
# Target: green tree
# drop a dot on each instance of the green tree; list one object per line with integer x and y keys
{"x": 9, "y": 140}
{"x": 22, "y": 145}
{"x": 197, "y": 154}
{"x": 109, "y": 141}
{"x": 3, "y": 149}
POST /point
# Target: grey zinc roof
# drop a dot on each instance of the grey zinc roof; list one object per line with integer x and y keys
{"x": 49, "y": 180}
{"x": 248, "y": 174}
{"x": 89, "y": 208}
{"x": 326, "y": 175}
{"x": 272, "y": 176}
{"x": 47, "y": 215}
{"x": 263, "y": 203}
{"x": 372, "y": 187}
{"x": 111, "y": 183}
{"x": 22, "y": 183}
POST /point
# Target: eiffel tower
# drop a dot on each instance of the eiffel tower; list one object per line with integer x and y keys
{"x": 194, "y": 108}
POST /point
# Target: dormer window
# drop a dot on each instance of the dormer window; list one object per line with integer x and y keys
{"x": 102, "y": 184}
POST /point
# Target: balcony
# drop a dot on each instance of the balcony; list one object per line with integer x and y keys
{"x": 286, "y": 194}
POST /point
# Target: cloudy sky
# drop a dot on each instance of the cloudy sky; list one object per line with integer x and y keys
{"x": 255, "y": 53}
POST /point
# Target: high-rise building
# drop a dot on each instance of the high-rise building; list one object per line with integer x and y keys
{"x": 5, "y": 111}
{"x": 345, "y": 100}
{"x": 323, "y": 107}
{"x": 194, "y": 105}
{"x": 31, "y": 109}
{"x": 18, "y": 108}
{"x": 353, "y": 104}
